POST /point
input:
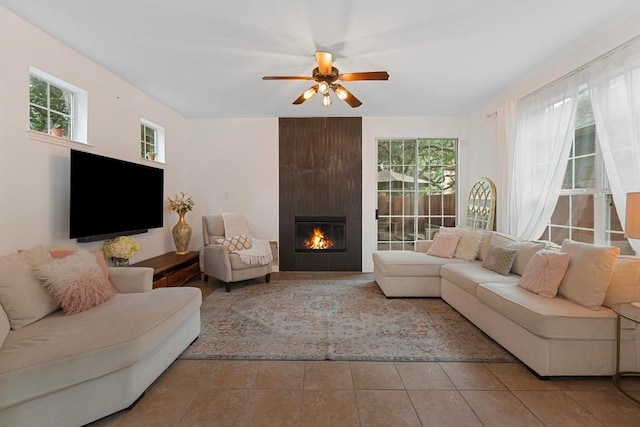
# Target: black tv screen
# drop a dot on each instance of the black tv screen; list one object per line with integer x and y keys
{"x": 111, "y": 197}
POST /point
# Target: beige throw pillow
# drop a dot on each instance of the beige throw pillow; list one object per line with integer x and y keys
{"x": 589, "y": 272}
{"x": 236, "y": 243}
{"x": 5, "y": 326}
{"x": 22, "y": 295}
{"x": 544, "y": 272}
{"x": 525, "y": 251}
{"x": 625, "y": 282}
{"x": 469, "y": 244}
{"x": 444, "y": 245}
{"x": 499, "y": 259}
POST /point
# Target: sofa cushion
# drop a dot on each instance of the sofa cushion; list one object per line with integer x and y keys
{"x": 76, "y": 281}
{"x": 553, "y": 318}
{"x": 469, "y": 244}
{"x": 625, "y": 282}
{"x": 22, "y": 295}
{"x": 410, "y": 264}
{"x": 91, "y": 344}
{"x": 5, "y": 327}
{"x": 589, "y": 272}
{"x": 544, "y": 272}
{"x": 467, "y": 276}
{"x": 444, "y": 245}
{"x": 526, "y": 250}
{"x": 500, "y": 259}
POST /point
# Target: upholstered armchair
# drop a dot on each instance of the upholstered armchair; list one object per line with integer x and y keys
{"x": 230, "y": 253}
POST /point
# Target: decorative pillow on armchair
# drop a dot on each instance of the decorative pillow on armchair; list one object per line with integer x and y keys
{"x": 236, "y": 243}
{"x": 76, "y": 281}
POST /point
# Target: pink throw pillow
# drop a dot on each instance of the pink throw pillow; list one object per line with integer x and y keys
{"x": 544, "y": 272}
{"x": 76, "y": 281}
{"x": 444, "y": 245}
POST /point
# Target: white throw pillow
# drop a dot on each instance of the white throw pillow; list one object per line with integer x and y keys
{"x": 444, "y": 245}
{"x": 625, "y": 282}
{"x": 589, "y": 272}
{"x": 5, "y": 326}
{"x": 76, "y": 281}
{"x": 469, "y": 244}
{"x": 544, "y": 272}
{"x": 525, "y": 250}
{"x": 22, "y": 295}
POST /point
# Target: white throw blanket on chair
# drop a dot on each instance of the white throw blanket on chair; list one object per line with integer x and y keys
{"x": 260, "y": 251}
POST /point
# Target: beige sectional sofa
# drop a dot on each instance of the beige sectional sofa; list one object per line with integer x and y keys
{"x": 69, "y": 370}
{"x": 552, "y": 336}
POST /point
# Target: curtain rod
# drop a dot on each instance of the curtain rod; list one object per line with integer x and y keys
{"x": 577, "y": 70}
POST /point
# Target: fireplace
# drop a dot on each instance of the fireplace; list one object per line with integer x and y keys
{"x": 320, "y": 234}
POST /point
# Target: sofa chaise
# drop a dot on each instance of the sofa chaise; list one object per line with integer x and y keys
{"x": 555, "y": 336}
{"x": 72, "y": 369}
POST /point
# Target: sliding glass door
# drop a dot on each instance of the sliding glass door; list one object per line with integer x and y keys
{"x": 416, "y": 187}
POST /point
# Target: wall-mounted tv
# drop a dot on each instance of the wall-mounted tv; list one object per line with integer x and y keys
{"x": 111, "y": 197}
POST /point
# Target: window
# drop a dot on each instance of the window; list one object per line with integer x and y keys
{"x": 56, "y": 107}
{"x": 416, "y": 190}
{"x": 151, "y": 141}
{"x": 586, "y": 210}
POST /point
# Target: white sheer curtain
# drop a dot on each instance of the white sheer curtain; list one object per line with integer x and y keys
{"x": 506, "y": 136}
{"x": 614, "y": 87}
{"x": 543, "y": 138}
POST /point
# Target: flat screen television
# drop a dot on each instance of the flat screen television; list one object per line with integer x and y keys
{"x": 111, "y": 197}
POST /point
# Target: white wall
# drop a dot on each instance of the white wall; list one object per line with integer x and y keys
{"x": 407, "y": 127}
{"x": 34, "y": 175}
{"x": 483, "y": 131}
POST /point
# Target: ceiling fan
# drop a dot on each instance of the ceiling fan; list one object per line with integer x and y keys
{"x": 325, "y": 76}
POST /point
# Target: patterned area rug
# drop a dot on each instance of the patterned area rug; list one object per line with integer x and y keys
{"x": 335, "y": 320}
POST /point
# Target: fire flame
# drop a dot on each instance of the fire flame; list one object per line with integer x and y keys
{"x": 318, "y": 241}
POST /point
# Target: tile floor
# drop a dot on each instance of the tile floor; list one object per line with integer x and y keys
{"x": 358, "y": 393}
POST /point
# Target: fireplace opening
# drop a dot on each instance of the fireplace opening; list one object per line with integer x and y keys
{"x": 320, "y": 234}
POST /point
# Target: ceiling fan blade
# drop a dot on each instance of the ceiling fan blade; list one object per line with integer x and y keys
{"x": 325, "y": 62}
{"x": 287, "y": 78}
{"x": 342, "y": 93}
{"x": 367, "y": 75}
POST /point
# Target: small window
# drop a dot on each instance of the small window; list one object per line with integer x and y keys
{"x": 151, "y": 141}
{"x": 56, "y": 107}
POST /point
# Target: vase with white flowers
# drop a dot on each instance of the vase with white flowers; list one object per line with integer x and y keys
{"x": 181, "y": 204}
{"x": 121, "y": 249}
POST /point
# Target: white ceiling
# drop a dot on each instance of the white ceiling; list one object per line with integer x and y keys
{"x": 205, "y": 58}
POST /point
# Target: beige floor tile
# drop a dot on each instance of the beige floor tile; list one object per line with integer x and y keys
{"x": 327, "y": 374}
{"x": 424, "y": 376}
{"x": 517, "y": 377}
{"x": 471, "y": 376}
{"x": 329, "y": 408}
{"x": 499, "y": 408}
{"x": 280, "y": 374}
{"x": 185, "y": 374}
{"x": 278, "y": 408}
{"x": 556, "y": 408}
{"x": 219, "y": 407}
{"x": 386, "y": 408}
{"x": 583, "y": 383}
{"x": 610, "y": 407}
{"x": 375, "y": 376}
{"x": 443, "y": 408}
{"x": 232, "y": 374}
{"x": 159, "y": 407}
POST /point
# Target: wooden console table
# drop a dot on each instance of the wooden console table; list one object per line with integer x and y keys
{"x": 171, "y": 269}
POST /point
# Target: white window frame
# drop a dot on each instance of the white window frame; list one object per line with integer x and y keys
{"x": 79, "y": 112}
{"x": 159, "y": 140}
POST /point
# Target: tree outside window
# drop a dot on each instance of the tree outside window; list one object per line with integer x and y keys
{"x": 148, "y": 138}
{"x": 50, "y": 108}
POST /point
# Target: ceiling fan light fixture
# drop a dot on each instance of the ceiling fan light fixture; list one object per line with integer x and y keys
{"x": 340, "y": 92}
{"x": 310, "y": 93}
{"x": 326, "y": 99}
{"x": 323, "y": 87}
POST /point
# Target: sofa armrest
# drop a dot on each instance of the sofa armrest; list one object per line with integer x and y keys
{"x": 422, "y": 245}
{"x": 131, "y": 279}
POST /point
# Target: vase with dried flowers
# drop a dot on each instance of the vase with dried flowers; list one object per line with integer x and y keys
{"x": 181, "y": 232}
{"x": 121, "y": 249}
